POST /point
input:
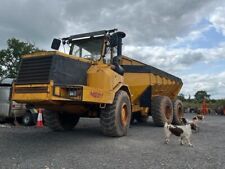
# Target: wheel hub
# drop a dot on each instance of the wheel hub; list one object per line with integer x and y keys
{"x": 26, "y": 120}
{"x": 124, "y": 115}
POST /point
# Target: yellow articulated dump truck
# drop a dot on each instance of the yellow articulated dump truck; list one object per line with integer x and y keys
{"x": 96, "y": 80}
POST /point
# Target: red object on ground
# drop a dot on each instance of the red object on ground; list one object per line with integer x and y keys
{"x": 204, "y": 107}
{"x": 39, "y": 119}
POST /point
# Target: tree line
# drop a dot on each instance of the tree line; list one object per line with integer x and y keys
{"x": 199, "y": 96}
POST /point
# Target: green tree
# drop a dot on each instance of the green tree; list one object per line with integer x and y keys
{"x": 200, "y": 95}
{"x": 10, "y": 57}
{"x": 181, "y": 97}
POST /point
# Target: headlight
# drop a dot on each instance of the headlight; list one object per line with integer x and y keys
{"x": 72, "y": 92}
{"x": 75, "y": 93}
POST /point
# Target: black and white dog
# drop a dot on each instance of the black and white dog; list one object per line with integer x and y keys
{"x": 198, "y": 118}
{"x": 184, "y": 132}
{"x": 193, "y": 123}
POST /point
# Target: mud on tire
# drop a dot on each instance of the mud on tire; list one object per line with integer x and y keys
{"x": 115, "y": 118}
{"x": 162, "y": 110}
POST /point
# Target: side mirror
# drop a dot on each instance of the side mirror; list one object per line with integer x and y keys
{"x": 56, "y": 44}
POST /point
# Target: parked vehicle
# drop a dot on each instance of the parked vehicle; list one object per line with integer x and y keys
{"x": 11, "y": 110}
{"x": 96, "y": 80}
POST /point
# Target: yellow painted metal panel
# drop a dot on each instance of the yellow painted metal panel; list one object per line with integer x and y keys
{"x": 52, "y": 53}
{"x": 96, "y": 95}
{"x": 31, "y": 97}
{"x": 103, "y": 77}
{"x": 138, "y": 82}
{"x": 89, "y": 94}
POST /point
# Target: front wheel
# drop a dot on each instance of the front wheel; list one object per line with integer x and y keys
{"x": 60, "y": 121}
{"x": 115, "y": 118}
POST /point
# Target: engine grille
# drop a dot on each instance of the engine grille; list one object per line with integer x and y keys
{"x": 31, "y": 89}
{"x": 62, "y": 70}
{"x": 34, "y": 70}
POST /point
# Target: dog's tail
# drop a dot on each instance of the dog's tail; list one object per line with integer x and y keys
{"x": 195, "y": 120}
{"x": 166, "y": 125}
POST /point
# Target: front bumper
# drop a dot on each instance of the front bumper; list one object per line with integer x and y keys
{"x": 50, "y": 92}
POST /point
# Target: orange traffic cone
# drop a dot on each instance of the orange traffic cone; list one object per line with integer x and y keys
{"x": 39, "y": 119}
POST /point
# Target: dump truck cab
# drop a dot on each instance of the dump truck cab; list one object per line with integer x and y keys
{"x": 93, "y": 80}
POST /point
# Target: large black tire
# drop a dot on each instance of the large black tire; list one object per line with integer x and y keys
{"x": 115, "y": 118}
{"x": 162, "y": 110}
{"x": 60, "y": 121}
{"x": 178, "y": 112}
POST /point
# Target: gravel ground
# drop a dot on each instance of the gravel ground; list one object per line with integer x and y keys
{"x": 86, "y": 148}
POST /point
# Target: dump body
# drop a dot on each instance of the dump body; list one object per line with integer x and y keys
{"x": 146, "y": 81}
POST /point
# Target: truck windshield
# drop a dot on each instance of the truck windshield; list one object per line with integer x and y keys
{"x": 90, "y": 48}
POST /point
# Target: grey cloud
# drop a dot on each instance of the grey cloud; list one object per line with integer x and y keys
{"x": 34, "y": 21}
{"x": 217, "y": 19}
{"x": 172, "y": 59}
{"x": 146, "y": 22}
{"x": 190, "y": 58}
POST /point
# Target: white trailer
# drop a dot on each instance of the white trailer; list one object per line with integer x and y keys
{"x": 10, "y": 110}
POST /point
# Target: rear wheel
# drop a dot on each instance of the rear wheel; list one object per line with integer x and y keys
{"x": 60, "y": 121}
{"x": 162, "y": 110}
{"x": 28, "y": 119}
{"x": 115, "y": 118}
{"x": 178, "y": 112}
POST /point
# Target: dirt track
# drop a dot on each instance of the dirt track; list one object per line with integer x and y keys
{"x": 85, "y": 147}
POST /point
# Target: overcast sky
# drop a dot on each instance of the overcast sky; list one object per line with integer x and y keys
{"x": 184, "y": 37}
